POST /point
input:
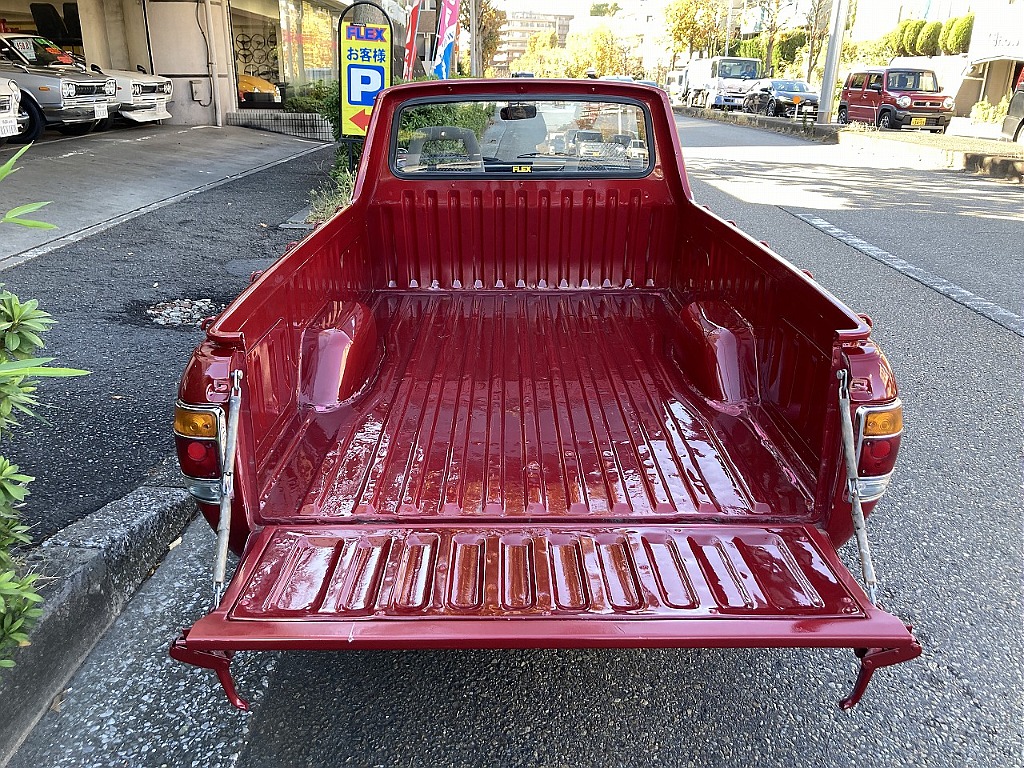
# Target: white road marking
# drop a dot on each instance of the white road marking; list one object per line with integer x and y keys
{"x": 997, "y": 314}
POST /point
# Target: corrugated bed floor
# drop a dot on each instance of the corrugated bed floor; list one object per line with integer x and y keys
{"x": 528, "y": 404}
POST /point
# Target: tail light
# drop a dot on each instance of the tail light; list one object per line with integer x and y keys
{"x": 879, "y": 429}
{"x": 199, "y": 440}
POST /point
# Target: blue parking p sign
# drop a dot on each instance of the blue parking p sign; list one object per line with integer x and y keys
{"x": 365, "y": 60}
{"x": 364, "y": 83}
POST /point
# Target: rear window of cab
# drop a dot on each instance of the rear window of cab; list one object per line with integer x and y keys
{"x": 524, "y": 137}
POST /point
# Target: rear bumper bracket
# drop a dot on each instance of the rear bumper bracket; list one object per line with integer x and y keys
{"x": 218, "y": 661}
{"x": 875, "y": 658}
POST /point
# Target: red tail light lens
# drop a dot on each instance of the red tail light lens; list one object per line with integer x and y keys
{"x": 198, "y": 458}
{"x": 197, "y": 440}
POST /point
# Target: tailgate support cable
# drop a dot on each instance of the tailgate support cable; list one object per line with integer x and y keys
{"x": 870, "y": 658}
{"x": 860, "y": 530}
{"x": 227, "y": 488}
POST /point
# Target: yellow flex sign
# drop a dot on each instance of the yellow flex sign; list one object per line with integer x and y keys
{"x": 365, "y": 72}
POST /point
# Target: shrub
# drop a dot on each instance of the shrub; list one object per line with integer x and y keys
{"x": 22, "y": 327}
{"x": 960, "y": 36}
{"x": 910, "y": 35}
{"x": 985, "y": 112}
{"x": 928, "y": 40}
{"x": 898, "y": 35}
{"x": 947, "y": 28}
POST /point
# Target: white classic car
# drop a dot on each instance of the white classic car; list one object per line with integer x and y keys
{"x": 10, "y": 99}
{"x": 143, "y": 97}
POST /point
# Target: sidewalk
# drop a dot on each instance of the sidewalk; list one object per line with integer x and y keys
{"x": 194, "y": 226}
{"x": 94, "y": 181}
{"x": 916, "y": 150}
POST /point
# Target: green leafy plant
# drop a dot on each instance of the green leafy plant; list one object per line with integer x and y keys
{"x": 22, "y": 328}
{"x": 959, "y": 39}
{"x": 17, "y": 215}
{"x": 986, "y": 112}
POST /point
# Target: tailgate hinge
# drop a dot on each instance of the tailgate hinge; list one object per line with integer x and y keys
{"x": 218, "y": 661}
{"x": 875, "y": 658}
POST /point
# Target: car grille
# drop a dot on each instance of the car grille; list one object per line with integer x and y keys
{"x": 924, "y": 103}
{"x": 89, "y": 89}
{"x": 152, "y": 88}
{"x": 5, "y": 103}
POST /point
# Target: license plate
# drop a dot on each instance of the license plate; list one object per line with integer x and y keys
{"x": 918, "y": 121}
{"x": 8, "y": 126}
{"x": 100, "y": 110}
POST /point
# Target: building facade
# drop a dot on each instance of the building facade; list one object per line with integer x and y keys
{"x": 517, "y": 30}
{"x": 222, "y": 55}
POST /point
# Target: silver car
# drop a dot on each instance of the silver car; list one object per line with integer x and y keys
{"x": 54, "y": 90}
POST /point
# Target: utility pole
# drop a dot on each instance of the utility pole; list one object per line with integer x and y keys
{"x": 728, "y": 25}
{"x": 835, "y": 48}
{"x": 475, "y": 51}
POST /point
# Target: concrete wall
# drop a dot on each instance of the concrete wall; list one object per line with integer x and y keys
{"x": 180, "y": 53}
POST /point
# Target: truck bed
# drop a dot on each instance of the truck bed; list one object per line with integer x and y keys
{"x": 539, "y": 404}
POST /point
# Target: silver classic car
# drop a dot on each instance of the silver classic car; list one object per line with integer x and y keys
{"x": 55, "y": 91}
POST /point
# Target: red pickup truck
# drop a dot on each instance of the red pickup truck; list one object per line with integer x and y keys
{"x": 521, "y": 396}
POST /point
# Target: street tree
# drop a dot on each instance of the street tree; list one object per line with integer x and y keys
{"x": 772, "y": 16}
{"x": 819, "y": 14}
{"x": 692, "y": 24}
{"x": 543, "y": 57}
{"x": 604, "y": 9}
{"x": 489, "y": 20}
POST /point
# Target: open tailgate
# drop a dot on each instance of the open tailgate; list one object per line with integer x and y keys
{"x": 551, "y": 586}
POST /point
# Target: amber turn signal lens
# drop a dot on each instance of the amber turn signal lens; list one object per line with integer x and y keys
{"x": 195, "y": 423}
{"x": 881, "y": 423}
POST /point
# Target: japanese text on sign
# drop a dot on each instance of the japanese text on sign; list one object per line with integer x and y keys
{"x": 365, "y": 72}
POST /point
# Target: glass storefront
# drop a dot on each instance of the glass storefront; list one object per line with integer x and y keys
{"x": 287, "y": 48}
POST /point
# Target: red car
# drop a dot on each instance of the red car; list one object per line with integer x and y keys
{"x": 520, "y": 398}
{"x": 895, "y": 97}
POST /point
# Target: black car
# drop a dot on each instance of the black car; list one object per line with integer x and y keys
{"x": 1013, "y": 124}
{"x": 781, "y": 98}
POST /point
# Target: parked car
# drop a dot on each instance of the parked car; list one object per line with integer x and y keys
{"x": 523, "y": 74}
{"x": 141, "y": 97}
{"x": 55, "y": 91}
{"x": 10, "y": 99}
{"x": 637, "y": 150}
{"x": 252, "y": 89}
{"x": 895, "y": 97}
{"x": 781, "y": 98}
{"x": 676, "y": 85}
{"x": 1013, "y": 123}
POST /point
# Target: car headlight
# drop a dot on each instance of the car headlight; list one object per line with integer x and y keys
{"x": 67, "y": 90}
{"x": 110, "y": 87}
{"x": 136, "y": 89}
{"x": 948, "y": 102}
{"x": 903, "y": 102}
{"x": 167, "y": 88}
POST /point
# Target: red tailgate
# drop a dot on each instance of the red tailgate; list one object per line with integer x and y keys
{"x": 556, "y": 586}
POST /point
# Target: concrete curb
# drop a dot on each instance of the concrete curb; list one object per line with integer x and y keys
{"x": 911, "y": 156}
{"x": 93, "y": 568}
{"x": 827, "y": 134}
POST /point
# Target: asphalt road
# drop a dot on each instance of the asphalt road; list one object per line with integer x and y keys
{"x": 946, "y": 540}
{"x": 106, "y": 430}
